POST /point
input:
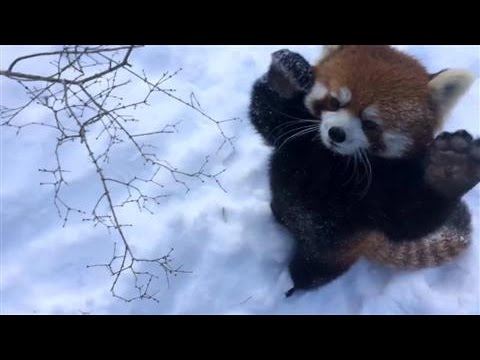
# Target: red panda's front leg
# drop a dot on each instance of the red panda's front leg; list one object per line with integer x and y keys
{"x": 325, "y": 247}
{"x": 452, "y": 168}
{"x": 453, "y": 164}
{"x": 422, "y": 197}
{"x": 276, "y": 104}
{"x": 309, "y": 271}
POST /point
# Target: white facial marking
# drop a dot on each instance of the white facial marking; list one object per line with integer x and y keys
{"x": 396, "y": 144}
{"x": 318, "y": 92}
{"x": 372, "y": 113}
{"x": 343, "y": 96}
{"x": 355, "y": 137}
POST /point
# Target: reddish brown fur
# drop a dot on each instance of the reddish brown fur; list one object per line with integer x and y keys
{"x": 393, "y": 81}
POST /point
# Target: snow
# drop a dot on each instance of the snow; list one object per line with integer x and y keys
{"x": 236, "y": 253}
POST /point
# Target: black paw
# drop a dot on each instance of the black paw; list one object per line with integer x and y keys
{"x": 312, "y": 267}
{"x": 453, "y": 163}
{"x": 295, "y": 67}
{"x": 305, "y": 274}
{"x": 289, "y": 73}
{"x": 276, "y": 214}
{"x": 290, "y": 292}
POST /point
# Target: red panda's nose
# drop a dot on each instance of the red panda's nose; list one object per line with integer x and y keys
{"x": 337, "y": 134}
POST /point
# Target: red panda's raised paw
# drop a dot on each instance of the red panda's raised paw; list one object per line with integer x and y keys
{"x": 453, "y": 163}
{"x": 289, "y": 73}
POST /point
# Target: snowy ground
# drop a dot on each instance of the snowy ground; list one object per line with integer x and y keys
{"x": 236, "y": 253}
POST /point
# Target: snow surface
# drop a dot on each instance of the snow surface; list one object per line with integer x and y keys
{"x": 236, "y": 252}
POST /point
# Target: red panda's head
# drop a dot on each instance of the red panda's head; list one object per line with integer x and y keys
{"x": 381, "y": 100}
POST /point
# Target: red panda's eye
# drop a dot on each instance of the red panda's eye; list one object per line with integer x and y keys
{"x": 332, "y": 104}
{"x": 369, "y": 125}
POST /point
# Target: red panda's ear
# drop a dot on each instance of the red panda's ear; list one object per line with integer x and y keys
{"x": 331, "y": 48}
{"x": 431, "y": 76}
{"x": 447, "y": 87}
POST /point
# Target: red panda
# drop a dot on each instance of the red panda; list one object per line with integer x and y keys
{"x": 386, "y": 102}
{"x": 356, "y": 169}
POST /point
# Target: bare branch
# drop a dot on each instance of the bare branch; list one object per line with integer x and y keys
{"x": 82, "y": 97}
{"x": 65, "y": 51}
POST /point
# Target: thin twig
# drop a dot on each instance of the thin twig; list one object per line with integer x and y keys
{"x": 81, "y": 95}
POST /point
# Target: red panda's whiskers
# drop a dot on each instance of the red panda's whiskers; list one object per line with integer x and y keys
{"x": 289, "y": 132}
{"x": 361, "y": 172}
{"x": 293, "y": 117}
{"x": 346, "y": 167}
{"x": 368, "y": 171}
{"x": 354, "y": 167}
{"x": 296, "y": 135}
{"x": 356, "y": 159}
{"x": 291, "y": 123}
{"x": 364, "y": 172}
{"x": 308, "y": 129}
